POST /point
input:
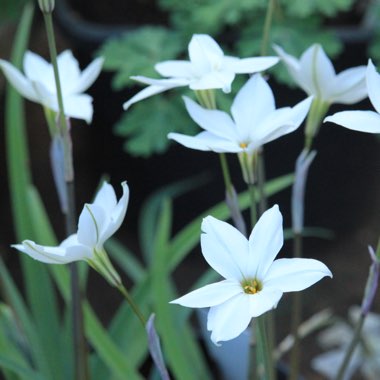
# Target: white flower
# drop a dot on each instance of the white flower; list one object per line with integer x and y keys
{"x": 254, "y": 282}
{"x": 97, "y": 222}
{"x": 255, "y": 121}
{"x": 315, "y": 74}
{"x": 38, "y": 84}
{"x": 208, "y": 68}
{"x": 363, "y": 121}
{"x": 366, "y": 355}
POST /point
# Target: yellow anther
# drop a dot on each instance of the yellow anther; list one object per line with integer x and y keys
{"x": 243, "y": 145}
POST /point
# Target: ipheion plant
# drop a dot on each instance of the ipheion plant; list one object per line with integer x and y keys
{"x": 254, "y": 281}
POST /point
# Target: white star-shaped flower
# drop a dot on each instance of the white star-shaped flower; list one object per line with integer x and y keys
{"x": 315, "y": 74}
{"x": 255, "y": 121}
{"x": 38, "y": 84}
{"x": 98, "y": 221}
{"x": 253, "y": 281}
{"x": 208, "y": 68}
{"x": 363, "y": 121}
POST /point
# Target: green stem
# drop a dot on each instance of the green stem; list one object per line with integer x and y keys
{"x": 132, "y": 304}
{"x": 252, "y": 197}
{"x": 261, "y": 181}
{"x": 267, "y": 27}
{"x": 265, "y": 367}
{"x": 226, "y": 173}
{"x": 80, "y": 348}
{"x": 296, "y": 317}
{"x": 355, "y": 340}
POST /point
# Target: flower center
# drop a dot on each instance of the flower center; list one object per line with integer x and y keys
{"x": 243, "y": 145}
{"x": 251, "y": 286}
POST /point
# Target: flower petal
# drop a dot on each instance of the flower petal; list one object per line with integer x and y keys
{"x": 263, "y": 301}
{"x": 91, "y": 224}
{"x": 373, "y": 83}
{"x": 88, "y": 75}
{"x": 214, "y": 79}
{"x": 117, "y": 215}
{"x": 224, "y": 248}
{"x": 265, "y": 242}
{"x": 210, "y": 295}
{"x": 217, "y": 122}
{"x": 350, "y": 86}
{"x": 248, "y": 65}
{"x": 19, "y": 81}
{"x": 69, "y": 72}
{"x": 79, "y": 107}
{"x": 106, "y": 197}
{"x": 292, "y": 275}
{"x": 252, "y": 104}
{"x": 362, "y": 121}
{"x": 38, "y": 70}
{"x": 48, "y": 255}
{"x": 177, "y": 69}
{"x": 230, "y": 319}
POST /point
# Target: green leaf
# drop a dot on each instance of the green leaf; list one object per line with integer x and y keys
{"x": 146, "y": 132}
{"x": 138, "y": 51}
{"x": 11, "y": 10}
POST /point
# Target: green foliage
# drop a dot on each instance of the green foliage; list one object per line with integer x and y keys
{"x": 301, "y": 8}
{"x": 146, "y": 132}
{"x": 136, "y": 52}
{"x": 10, "y": 10}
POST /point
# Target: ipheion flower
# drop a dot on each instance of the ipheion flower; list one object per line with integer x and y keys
{"x": 38, "y": 84}
{"x": 208, "y": 68}
{"x": 254, "y": 281}
{"x": 98, "y": 221}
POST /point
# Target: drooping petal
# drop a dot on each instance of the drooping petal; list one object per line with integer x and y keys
{"x": 350, "y": 86}
{"x": 206, "y": 141}
{"x": 217, "y": 122}
{"x": 265, "y": 242}
{"x": 224, "y": 248}
{"x": 317, "y": 68}
{"x": 48, "y": 255}
{"x": 79, "y": 107}
{"x": 88, "y": 75}
{"x": 91, "y": 223}
{"x": 252, "y": 104}
{"x": 177, "y": 69}
{"x": 362, "y": 121}
{"x": 263, "y": 301}
{"x": 116, "y": 216}
{"x": 204, "y": 53}
{"x": 292, "y": 275}
{"x": 210, "y": 295}
{"x": 373, "y": 81}
{"x": 248, "y": 65}
{"x": 18, "y": 81}
{"x": 230, "y": 319}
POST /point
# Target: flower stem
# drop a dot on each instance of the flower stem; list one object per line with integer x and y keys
{"x": 296, "y": 317}
{"x": 265, "y": 369}
{"x": 80, "y": 348}
{"x": 253, "y": 210}
{"x": 267, "y": 27}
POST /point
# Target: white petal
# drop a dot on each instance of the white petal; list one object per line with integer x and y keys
{"x": 214, "y": 79}
{"x": 178, "y": 69}
{"x": 217, "y": 122}
{"x": 18, "y": 81}
{"x": 49, "y": 255}
{"x": 206, "y": 141}
{"x": 292, "y": 275}
{"x": 69, "y": 72}
{"x": 204, "y": 53}
{"x": 373, "y": 83}
{"x": 350, "y": 86}
{"x": 38, "y": 70}
{"x": 45, "y": 96}
{"x": 318, "y": 71}
{"x": 106, "y": 197}
{"x": 230, "y": 319}
{"x": 249, "y": 65}
{"x": 281, "y": 122}
{"x": 263, "y": 301}
{"x": 210, "y": 295}
{"x": 91, "y": 224}
{"x": 362, "y": 121}
{"x": 79, "y": 107}
{"x": 252, "y": 104}
{"x": 117, "y": 215}
{"x": 89, "y": 75}
{"x": 265, "y": 242}
{"x": 224, "y": 248}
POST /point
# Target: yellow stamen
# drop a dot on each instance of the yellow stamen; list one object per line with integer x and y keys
{"x": 243, "y": 145}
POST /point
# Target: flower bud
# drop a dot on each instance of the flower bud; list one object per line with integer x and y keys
{"x": 46, "y": 6}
